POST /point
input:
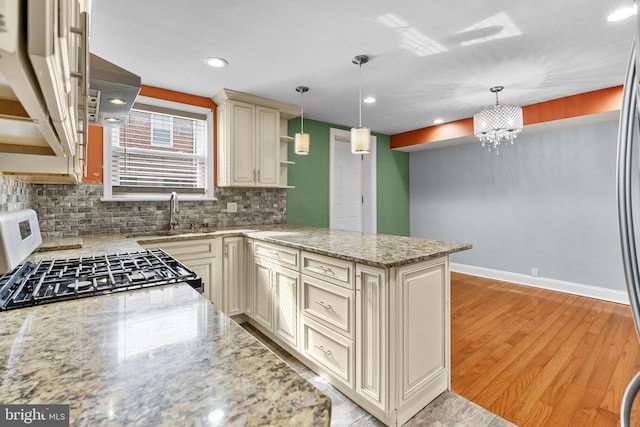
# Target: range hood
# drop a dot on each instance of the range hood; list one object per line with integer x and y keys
{"x": 112, "y": 92}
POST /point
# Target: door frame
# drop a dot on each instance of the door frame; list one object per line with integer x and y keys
{"x": 369, "y": 215}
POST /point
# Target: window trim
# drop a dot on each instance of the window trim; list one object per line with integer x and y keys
{"x": 190, "y": 110}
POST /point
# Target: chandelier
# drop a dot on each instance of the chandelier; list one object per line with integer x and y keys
{"x": 496, "y": 124}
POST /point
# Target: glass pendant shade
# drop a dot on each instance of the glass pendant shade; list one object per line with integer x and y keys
{"x": 360, "y": 140}
{"x": 497, "y": 124}
{"x": 301, "y": 144}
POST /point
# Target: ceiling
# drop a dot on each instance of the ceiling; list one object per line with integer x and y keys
{"x": 429, "y": 59}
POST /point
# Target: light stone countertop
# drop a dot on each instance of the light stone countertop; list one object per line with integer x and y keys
{"x": 165, "y": 355}
{"x": 377, "y": 250}
{"x": 156, "y": 356}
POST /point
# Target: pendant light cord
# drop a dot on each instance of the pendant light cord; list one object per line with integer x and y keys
{"x": 360, "y": 95}
{"x": 302, "y": 111}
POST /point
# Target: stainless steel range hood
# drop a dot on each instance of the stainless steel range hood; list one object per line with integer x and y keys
{"x": 112, "y": 92}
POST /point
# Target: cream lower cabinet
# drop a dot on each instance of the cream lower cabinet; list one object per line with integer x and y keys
{"x": 372, "y": 349}
{"x": 275, "y": 283}
{"x": 233, "y": 275}
{"x": 249, "y": 278}
{"x": 199, "y": 255}
{"x": 422, "y": 319}
{"x": 380, "y": 335}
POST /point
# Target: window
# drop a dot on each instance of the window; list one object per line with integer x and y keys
{"x": 159, "y": 150}
{"x": 161, "y": 130}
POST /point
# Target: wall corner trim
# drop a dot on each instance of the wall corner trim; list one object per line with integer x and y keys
{"x": 620, "y": 297}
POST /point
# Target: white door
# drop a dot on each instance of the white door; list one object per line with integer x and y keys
{"x": 346, "y": 211}
{"x": 353, "y": 183}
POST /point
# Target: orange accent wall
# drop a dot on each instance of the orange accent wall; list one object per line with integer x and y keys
{"x": 598, "y": 101}
{"x": 95, "y": 160}
{"x": 94, "y": 156}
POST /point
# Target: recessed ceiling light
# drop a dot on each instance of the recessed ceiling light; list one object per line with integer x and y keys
{"x": 622, "y": 13}
{"x": 117, "y": 101}
{"x": 216, "y": 62}
{"x": 369, "y": 100}
{"x": 112, "y": 119}
{"x": 438, "y": 121}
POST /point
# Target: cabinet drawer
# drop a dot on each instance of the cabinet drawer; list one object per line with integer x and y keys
{"x": 186, "y": 249}
{"x": 329, "y": 350}
{"x": 329, "y": 304}
{"x": 282, "y": 255}
{"x": 334, "y": 270}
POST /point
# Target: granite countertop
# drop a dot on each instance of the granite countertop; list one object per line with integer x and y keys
{"x": 378, "y": 250}
{"x": 156, "y": 356}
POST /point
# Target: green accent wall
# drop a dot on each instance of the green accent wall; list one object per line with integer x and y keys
{"x": 308, "y": 202}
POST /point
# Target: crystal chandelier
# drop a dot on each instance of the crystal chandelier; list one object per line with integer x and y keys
{"x": 499, "y": 123}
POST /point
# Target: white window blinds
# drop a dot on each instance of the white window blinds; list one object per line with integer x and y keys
{"x": 158, "y": 152}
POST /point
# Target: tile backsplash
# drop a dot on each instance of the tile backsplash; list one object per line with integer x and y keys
{"x": 76, "y": 210}
{"x": 14, "y": 195}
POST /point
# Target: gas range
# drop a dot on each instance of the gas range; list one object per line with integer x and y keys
{"x": 49, "y": 281}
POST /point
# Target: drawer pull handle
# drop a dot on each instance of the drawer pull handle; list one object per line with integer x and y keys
{"x": 326, "y": 352}
{"x": 324, "y": 304}
{"x": 327, "y": 270}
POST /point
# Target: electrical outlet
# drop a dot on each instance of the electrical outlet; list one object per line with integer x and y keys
{"x": 534, "y": 271}
{"x": 232, "y": 207}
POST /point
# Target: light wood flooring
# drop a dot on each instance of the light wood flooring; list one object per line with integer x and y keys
{"x": 541, "y": 358}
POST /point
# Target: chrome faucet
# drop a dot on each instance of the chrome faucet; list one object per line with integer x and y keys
{"x": 173, "y": 211}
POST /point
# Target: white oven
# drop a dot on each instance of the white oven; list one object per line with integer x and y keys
{"x": 19, "y": 237}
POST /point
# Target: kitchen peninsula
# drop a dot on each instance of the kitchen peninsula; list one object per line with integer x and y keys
{"x": 370, "y": 313}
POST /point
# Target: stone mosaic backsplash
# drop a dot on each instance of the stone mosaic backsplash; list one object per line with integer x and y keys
{"x": 14, "y": 195}
{"x": 76, "y": 210}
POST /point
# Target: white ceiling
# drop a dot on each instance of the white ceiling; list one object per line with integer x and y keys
{"x": 421, "y": 68}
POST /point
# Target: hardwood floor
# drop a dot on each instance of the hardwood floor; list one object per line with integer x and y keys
{"x": 541, "y": 358}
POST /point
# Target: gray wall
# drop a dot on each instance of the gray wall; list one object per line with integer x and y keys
{"x": 548, "y": 201}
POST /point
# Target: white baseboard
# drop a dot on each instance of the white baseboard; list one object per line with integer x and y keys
{"x": 605, "y": 294}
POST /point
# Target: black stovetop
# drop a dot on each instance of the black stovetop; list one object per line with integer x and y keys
{"x": 63, "y": 279}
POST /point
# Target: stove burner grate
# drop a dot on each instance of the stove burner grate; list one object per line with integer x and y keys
{"x": 63, "y": 279}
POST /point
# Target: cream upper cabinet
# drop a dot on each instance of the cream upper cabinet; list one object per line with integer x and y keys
{"x": 236, "y": 144}
{"x": 252, "y": 140}
{"x": 267, "y": 146}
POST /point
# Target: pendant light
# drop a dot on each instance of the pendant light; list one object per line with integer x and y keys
{"x": 360, "y": 136}
{"x": 500, "y": 123}
{"x": 301, "y": 142}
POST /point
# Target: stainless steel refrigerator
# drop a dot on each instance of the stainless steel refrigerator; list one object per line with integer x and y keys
{"x": 628, "y": 146}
